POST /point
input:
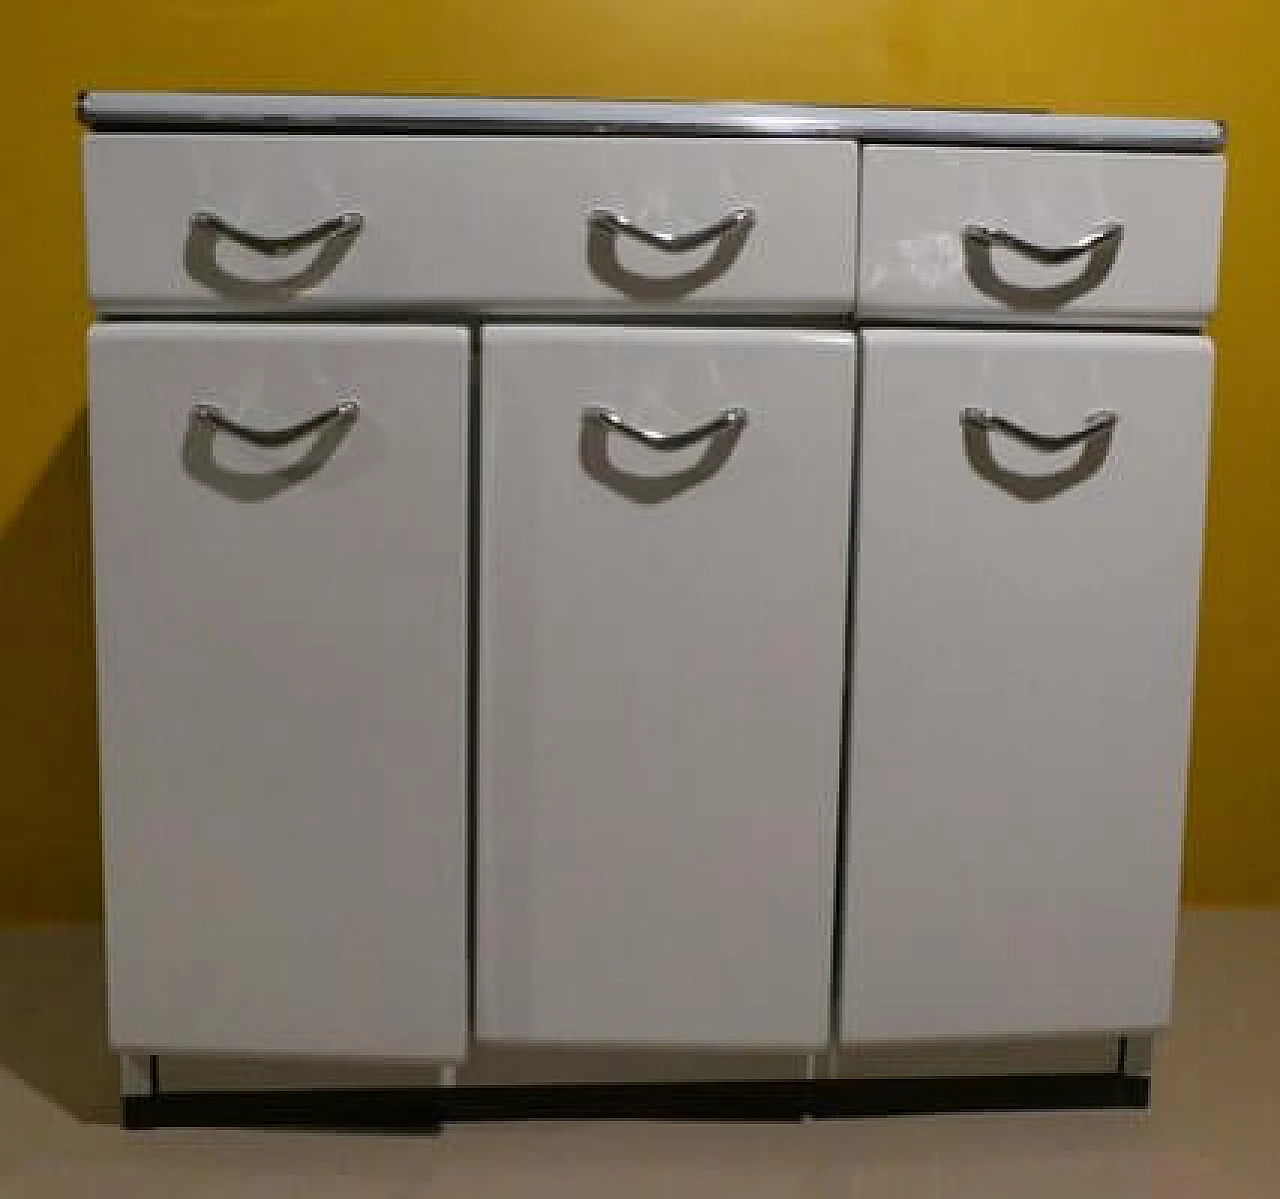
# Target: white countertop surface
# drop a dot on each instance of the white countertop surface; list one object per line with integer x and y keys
{"x": 228, "y": 112}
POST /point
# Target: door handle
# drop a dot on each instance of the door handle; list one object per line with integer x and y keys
{"x": 211, "y": 414}
{"x": 1096, "y": 424}
{"x": 1105, "y": 238}
{"x": 727, "y": 420}
{"x": 345, "y": 225}
{"x": 739, "y": 221}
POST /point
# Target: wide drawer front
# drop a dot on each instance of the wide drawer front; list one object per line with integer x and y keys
{"x": 249, "y": 223}
{"x": 1029, "y": 236}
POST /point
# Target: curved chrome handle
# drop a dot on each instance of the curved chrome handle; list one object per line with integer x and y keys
{"x": 1095, "y": 425}
{"x": 345, "y": 225}
{"x": 1105, "y": 237}
{"x": 740, "y": 221}
{"x": 211, "y": 414}
{"x": 728, "y": 419}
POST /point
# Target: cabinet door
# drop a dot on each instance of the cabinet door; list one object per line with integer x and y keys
{"x": 660, "y": 684}
{"x": 1025, "y": 622}
{"x": 282, "y": 660}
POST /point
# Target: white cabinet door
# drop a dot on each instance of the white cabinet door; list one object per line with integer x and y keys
{"x": 660, "y": 685}
{"x": 282, "y": 660}
{"x": 1025, "y": 623}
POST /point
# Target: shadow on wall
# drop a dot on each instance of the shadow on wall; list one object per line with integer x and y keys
{"x": 53, "y": 1034}
{"x": 49, "y": 848}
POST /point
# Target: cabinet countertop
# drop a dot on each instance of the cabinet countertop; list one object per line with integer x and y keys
{"x": 276, "y": 113}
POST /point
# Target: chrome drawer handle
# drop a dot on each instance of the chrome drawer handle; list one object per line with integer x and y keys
{"x": 211, "y": 414}
{"x": 740, "y": 221}
{"x": 345, "y": 225}
{"x": 728, "y": 420}
{"x": 1096, "y": 424}
{"x": 1105, "y": 239}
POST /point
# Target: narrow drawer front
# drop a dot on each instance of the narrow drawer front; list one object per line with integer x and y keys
{"x": 1028, "y": 236}
{"x": 244, "y": 223}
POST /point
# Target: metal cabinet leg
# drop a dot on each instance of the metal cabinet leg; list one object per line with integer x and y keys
{"x": 1133, "y": 1068}
{"x": 139, "y": 1083}
{"x": 1135, "y": 1055}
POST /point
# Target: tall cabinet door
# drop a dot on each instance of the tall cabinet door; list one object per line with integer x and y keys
{"x": 1025, "y": 619}
{"x": 660, "y": 683}
{"x": 279, "y": 524}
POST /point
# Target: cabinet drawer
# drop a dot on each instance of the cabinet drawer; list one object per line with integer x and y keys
{"x": 494, "y": 224}
{"x": 281, "y": 686}
{"x": 1022, "y": 236}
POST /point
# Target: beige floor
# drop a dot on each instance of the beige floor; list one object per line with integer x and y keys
{"x": 1214, "y": 1129}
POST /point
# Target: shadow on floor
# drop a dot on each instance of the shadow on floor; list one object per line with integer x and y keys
{"x": 52, "y": 1027}
{"x": 53, "y": 1034}
{"x": 49, "y": 847}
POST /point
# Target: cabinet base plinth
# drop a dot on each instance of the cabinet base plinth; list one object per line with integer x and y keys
{"x": 422, "y": 1109}
{"x": 355, "y": 1110}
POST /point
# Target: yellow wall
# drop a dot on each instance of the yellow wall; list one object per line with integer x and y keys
{"x": 1160, "y": 57}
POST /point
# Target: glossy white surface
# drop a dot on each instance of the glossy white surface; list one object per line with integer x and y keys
{"x": 1022, "y": 672}
{"x": 467, "y": 223}
{"x": 588, "y": 117}
{"x": 281, "y": 666}
{"x": 917, "y": 201}
{"x": 661, "y": 635}
{"x": 660, "y": 687}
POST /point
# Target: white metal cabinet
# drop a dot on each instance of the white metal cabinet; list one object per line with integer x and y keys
{"x": 660, "y": 685}
{"x": 477, "y": 223}
{"x": 282, "y": 660}
{"x": 1024, "y": 636}
{"x": 1070, "y": 236}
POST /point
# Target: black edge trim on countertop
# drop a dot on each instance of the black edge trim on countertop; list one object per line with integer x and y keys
{"x": 414, "y": 1109}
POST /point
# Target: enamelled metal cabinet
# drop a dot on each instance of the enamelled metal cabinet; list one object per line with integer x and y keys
{"x": 644, "y": 605}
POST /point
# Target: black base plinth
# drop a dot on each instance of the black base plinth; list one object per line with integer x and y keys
{"x": 427, "y": 1109}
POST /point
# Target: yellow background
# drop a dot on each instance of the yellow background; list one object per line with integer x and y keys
{"x": 1157, "y": 57}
